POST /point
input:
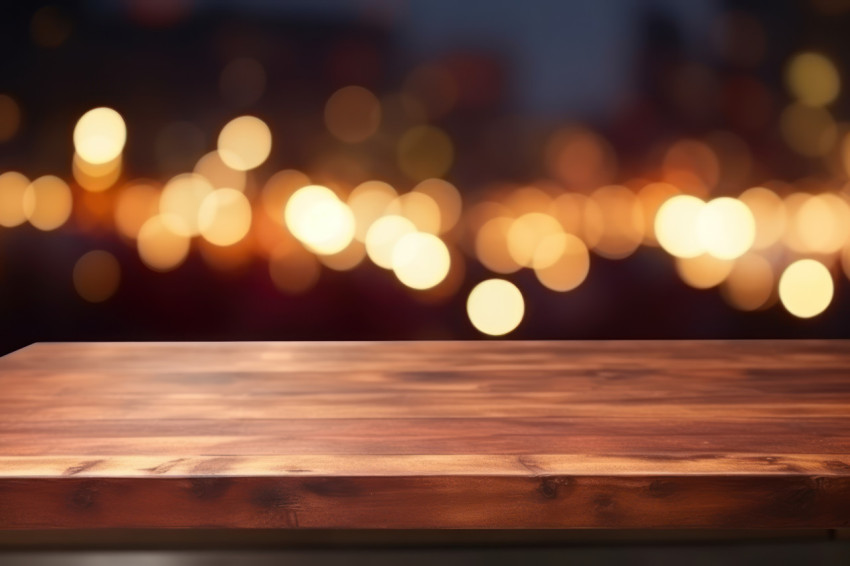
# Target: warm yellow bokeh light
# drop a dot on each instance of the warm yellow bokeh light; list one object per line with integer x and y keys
{"x": 352, "y": 114}
{"x": 181, "y": 200}
{"x": 420, "y": 209}
{"x": 224, "y": 217}
{"x": 821, "y": 224}
{"x": 491, "y": 245}
{"x": 726, "y": 228}
{"x": 495, "y": 307}
{"x": 47, "y": 202}
{"x": 749, "y": 285}
{"x": 100, "y": 135}
{"x": 10, "y": 117}
{"x": 526, "y": 233}
{"x": 813, "y": 79}
{"x": 368, "y": 202}
{"x": 219, "y": 174}
{"x": 96, "y": 276}
{"x": 322, "y": 222}
{"x": 96, "y": 177}
{"x": 420, "y": 260}
{"x": 447, "y": 198}
{"x": 769, "y": 214}
{"x": 135, "y": 205}
{"x": 425, "y": 151}
{"x": 13, "y": 186}
{"x": 806, "y": 288}
{"x": 161, "y": 248}
{"x": 383, "y": 236}
{"x": 244, "y": 143}
{"x": 676, "y": 226}
{"x": 561, "y": 262}
{"x": 703, "y": 271}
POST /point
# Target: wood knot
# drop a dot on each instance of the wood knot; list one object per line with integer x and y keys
{"x": 84, "y": 497}
{"x": 209, "y": 488}
{"x": 662, "y": 488}
{"x": 549, "y": 486}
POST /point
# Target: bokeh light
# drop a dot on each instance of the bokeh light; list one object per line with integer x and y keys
{"x": 420, "y": 209}
{"x": 135, "y": 205}
{"x": 161, "y": 248}
{"x": 622, "y": 221}
{"x": 703, "y": 271}
{"x": 420, "y": 260}
{"x": 181, "y": 200}
{"x": 368, "y": 202}
{"x": 47, "y": 202}
{"x": 383, "y": 236}
{"x": 769, "y": 214}
{"x": 749, "y": 285}
{"x": 100, "y": 135}
{"x": 813, "y": 79}
{"x": 13, "y": 186}
{"x": 726, "y": 228}
{"x": 10, "y": 117}
{"x": 224, "y": 217}
{"x": 96, "y": 177}
{"x": 322, "y": 222}
{"x": 808, "y": 131}
{"x": 495, "y": 307}
{"x": 526, "y": 233}
{"x": 561, "y": 262}
{"x": 244, "y": 143}
{"x": 352, "y": 114}
{"x": 96, "y": 276}
{"x": 806, "y": 288}
{"x": 676, "y": 226}
{"x": 278, "y": 189}
{"x": 219, "y": 174}
{"x": 448, "y": 200}
{"x": 491, "y": 245}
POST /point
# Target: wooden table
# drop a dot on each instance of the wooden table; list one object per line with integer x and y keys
{"x": 426, "y": 435}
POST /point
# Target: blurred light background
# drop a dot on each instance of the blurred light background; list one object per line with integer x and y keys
{"x": 421, "y": 169}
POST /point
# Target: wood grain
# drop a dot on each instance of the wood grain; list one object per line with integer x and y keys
{"x": 426, "y": 435}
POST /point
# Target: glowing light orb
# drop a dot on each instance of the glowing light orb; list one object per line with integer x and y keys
{"x": 806, "y": 288}
{"x": 420, "y": 260}
{"x": 675, "y": 226}
{"x": 244, "y": 143}
{"x": 181, "y": 200}
{"x": 47, "y": 202}
{"x": 319, "y": 220}
{"x": 495, "y": 307}
{"x": 160, "y": 248}
{"x": 224, "y": 217}
{"x": 726, "y": 228}
{"x": 100, "y": 135}
{"x": 383, "y": 236}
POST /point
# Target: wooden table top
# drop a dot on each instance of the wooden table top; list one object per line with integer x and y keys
{"x": 426, "y": 435}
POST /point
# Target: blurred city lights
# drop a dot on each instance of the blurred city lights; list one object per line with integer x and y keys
{"x": 181, "y": 200}
{"x": 806, "y": 288}
{"x": 382, "y": 237}
{"x": 495, "y": 307}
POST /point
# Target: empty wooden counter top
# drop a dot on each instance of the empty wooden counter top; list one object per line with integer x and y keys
{"x": 425, "y": 435}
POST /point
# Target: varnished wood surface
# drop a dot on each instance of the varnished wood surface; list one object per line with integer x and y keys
{"x": 426, "y": 435}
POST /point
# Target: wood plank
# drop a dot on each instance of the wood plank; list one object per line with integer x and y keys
{"x": 424, "y": 435}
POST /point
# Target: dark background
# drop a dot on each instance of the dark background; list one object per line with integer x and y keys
{"x": 524, "y": 69}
